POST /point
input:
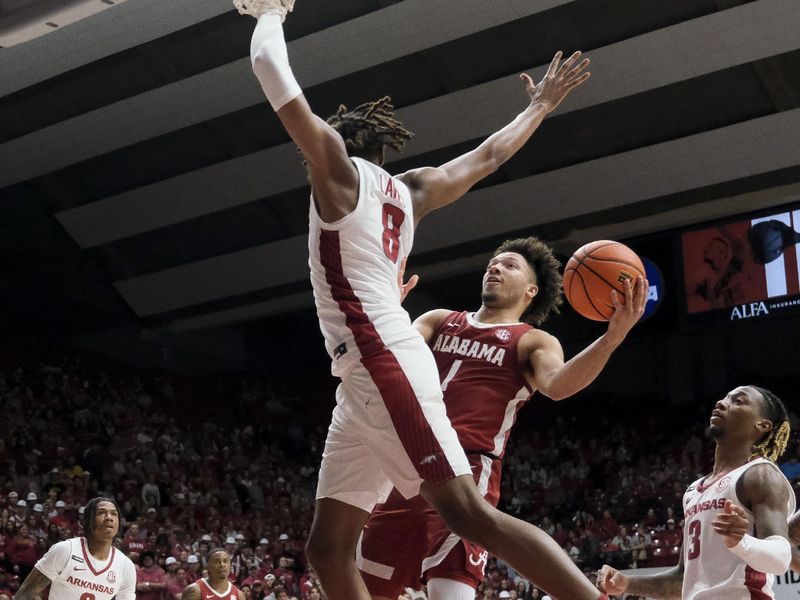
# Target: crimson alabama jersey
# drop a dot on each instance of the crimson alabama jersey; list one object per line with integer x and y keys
{"x": 711, "y": 571}
{"x": 483, "y": 384}
{"x": 74, "y": 573}
{"x": 209, "y": 593}
{"x": 354, "y": 265}
{"x": 484, "y": 388}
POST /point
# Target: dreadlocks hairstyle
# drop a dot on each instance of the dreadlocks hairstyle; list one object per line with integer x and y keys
{"x": 90, "y": 512}
{"x": 774, "y": 443}
{"x": 548, "y": 276}
{"x": 369, "y": 127}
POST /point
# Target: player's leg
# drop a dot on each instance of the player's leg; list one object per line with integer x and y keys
{"x": 351, "y": 482}
{"x": 449, "y": 589}
{"x": 392, "y": 546}
{"x": 331, "y": 543}
{"x": 525, "y": 547}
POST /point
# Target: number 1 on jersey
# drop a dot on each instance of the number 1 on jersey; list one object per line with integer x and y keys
{"x": 451, "y": 373}
{"x": 393, "y": 217}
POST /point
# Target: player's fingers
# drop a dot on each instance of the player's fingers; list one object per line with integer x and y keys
{"x": 568, "y": 64}
{"x": 575, "y": 71}
{"x": 527, "y": 80}
{"x": 551, "y": 70}
{"x": 577, "y": 81}
{"x": 412, "y": 283}
{"x": 615, "y": 300}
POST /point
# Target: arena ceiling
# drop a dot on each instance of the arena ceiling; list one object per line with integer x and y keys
{"x": 144, "y": 180}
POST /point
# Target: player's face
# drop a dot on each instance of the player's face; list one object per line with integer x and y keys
{"x": 508, "y": 279}
{"x": 106, "y": 521}
{"x": 219, "y": 565}
{"x": 739, "y": 413}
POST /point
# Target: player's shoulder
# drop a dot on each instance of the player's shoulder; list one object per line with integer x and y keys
{"x": 762, "y": 481}
{"x": 124, "y": 560}
{"x": 434, "y": 318}
{"x": 537, "y": 339}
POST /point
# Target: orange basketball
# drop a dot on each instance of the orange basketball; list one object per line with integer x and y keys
{"x": 596, "y": 269}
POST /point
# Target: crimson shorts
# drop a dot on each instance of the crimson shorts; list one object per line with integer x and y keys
{"x": 406, "y": 541}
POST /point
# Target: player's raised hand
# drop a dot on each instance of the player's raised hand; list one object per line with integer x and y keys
{"x": 628, "y": 314}
{"x": 405, "y": 288}
{"x": 731, "y": 524}
{"x": 558, "y": 81}
{"x": 611, "y": 581}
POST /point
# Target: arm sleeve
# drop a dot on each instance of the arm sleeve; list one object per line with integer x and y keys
{"x": 270, "y": 61}
{"x": 55, "y": 560}
{"x": 771, "y": 555}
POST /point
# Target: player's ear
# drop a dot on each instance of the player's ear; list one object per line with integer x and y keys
{"x": 533, "y": 289}
{"x": 764, "y": 425}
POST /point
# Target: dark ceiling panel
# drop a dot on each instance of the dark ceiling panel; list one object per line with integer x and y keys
{"x": 162, "y": 61}
{"x": 482, "y": 57}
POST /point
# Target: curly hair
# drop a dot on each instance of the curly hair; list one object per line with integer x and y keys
{"x": 547, "y": 268}
{"x": 369, "y": 127}
{"x": 773, "y": 444}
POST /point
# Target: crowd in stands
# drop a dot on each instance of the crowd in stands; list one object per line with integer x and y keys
{"x": 241, "y": 475}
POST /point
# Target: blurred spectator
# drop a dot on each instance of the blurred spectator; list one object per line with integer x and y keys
{"x": 151, "y": 581}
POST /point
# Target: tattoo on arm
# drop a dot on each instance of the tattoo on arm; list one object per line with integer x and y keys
{"x": 664, "y": 586}
{"x": 33, "y": 586}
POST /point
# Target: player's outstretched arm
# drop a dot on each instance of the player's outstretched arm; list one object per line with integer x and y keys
{"x": 34, "y": 584}
{"x": 763, "y": 489}
{"x": 557, "y": 379}
{"x": 794, "y": 540}
{"x": 333, "y": 177}
{"x": 434, "y": 187}
{"x": 666, "y": 585}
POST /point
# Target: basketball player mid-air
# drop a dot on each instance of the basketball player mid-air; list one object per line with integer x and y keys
{"x": 490, "y": 363}
{"x": 735, "y": 531}
{"x": 216, "y": 586}
{"x": 83, "y": 567}
{"x": 390, "y": 426}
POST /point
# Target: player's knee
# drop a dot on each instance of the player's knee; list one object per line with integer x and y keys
{"x": 323, "y": 552}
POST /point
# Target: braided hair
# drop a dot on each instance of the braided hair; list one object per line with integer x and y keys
{"x": 773, "y": 444}
{"x": 369, "y": 128}
{"x": 90, "y": 512}
{"x": 545, "y": 265}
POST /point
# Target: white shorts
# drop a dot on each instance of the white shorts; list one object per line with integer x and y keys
{"x": 389, "y": 428}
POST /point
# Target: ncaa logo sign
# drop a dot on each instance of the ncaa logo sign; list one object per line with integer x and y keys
{"x": 656, "y": 291}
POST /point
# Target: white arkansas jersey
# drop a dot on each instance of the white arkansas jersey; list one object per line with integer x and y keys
{"x": 711, "y": 571}
{"x": 354, "y": 265}
{"x": 76, "y": 575}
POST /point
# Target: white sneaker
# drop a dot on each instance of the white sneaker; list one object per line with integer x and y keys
{"x": 256, "y": 8}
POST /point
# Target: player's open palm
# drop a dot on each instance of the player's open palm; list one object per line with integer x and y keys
{"x": 610, "y": 581}
{"x": 558, "y": 81}
{"x": 731, "y": 524}
{"x": 627, "y": 313}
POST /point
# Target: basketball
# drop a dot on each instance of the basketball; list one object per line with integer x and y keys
{"x": 594, "y": 271}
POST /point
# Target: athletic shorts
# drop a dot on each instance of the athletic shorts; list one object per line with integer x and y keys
{"x": 406, "y": 542}
{"x": 389, "y": 429}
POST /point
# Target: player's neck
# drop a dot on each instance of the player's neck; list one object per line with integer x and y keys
{"x": 99, "y": 549}
{"x": 489, "y": 315}
{"x": 218, "y": 585}
{"x": 727, "y": 458}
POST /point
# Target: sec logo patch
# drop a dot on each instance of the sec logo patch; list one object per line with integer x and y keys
{"x": 503, "y": 335}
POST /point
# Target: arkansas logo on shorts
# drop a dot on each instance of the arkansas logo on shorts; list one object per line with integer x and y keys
{"x": 503, "y": 335}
